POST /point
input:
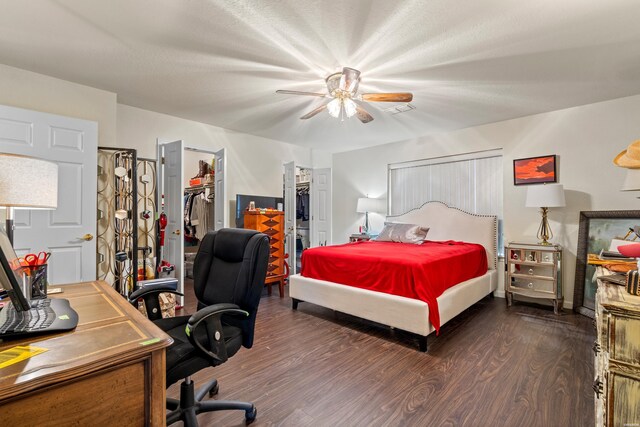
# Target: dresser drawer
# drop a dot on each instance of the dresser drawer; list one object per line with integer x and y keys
{"x": 536, "y": 284}
{"x": 622, "y": 405}
{"x": 624, "y": 335}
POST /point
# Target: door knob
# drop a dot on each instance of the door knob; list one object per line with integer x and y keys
{"x": 177, "y": 232}
{"x": 87, "y": 237}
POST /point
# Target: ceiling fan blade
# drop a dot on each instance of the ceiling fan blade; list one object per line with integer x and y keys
{"x": 295, "y": 92}
{"x": 314, "y": 112}
{"x": 387, "y": 97}
{"x": 349, "y": 79}
{"x": 362, "y": 115}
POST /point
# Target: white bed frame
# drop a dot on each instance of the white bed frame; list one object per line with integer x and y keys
{"x": 408, "y": 314}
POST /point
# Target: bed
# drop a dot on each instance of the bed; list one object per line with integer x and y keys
{"x": 412, "y": 315}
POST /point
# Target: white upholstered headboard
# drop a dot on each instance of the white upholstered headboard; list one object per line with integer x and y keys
{"x": 447, "y": 223}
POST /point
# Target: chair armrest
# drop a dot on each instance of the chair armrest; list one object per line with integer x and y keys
{"x": 210, "y": 316}
{"x": 150, "y": 294}
{"x": 153, "y": 289}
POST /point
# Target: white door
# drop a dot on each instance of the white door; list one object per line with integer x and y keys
{"x": 321, "y": 207}
{"x": 290, "y": 214}
{"x": 69, "y": 231}
{"x": 173, "y": 190}
{"x": 220, "y": 191}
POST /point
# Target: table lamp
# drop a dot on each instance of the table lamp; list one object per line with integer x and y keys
{"x": 631, "y": 180}
{"x": 366, "y": 205}
{"x": 544, "y": 197}
{"x": 26, "y": 183}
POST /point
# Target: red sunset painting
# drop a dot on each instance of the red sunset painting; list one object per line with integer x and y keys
{"x": 534, "y": 170}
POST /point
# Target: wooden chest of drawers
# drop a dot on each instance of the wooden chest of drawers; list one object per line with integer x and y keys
{"x": 270, "y": 223}
{"x": 617, "y": 356}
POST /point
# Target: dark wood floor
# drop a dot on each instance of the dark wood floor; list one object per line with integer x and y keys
{"x": 491, "y": 366}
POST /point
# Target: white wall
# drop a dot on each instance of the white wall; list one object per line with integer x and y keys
{"x": 254, "y": 164}
{"x": 33, "y": 91}
{"x": 24, "y": 89}
{"x": 586, "y": 138}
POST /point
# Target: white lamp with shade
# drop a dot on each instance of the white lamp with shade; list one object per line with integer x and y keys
{"x": 631, "y": 180}
{"x": 366, "y": 205}
{"x": 544, "y": 197}
{"x": 26, "y": 183}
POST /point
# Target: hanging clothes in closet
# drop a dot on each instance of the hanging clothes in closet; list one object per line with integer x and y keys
{"x": 201, "y": 216}
{"x": 302, "y": 203}
{"x": 189, "y": 238}
{"x": 198, "y": 216}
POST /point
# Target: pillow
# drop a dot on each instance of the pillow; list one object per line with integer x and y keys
{"x": 402, "y": 233}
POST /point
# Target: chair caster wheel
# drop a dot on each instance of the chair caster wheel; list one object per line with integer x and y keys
{"x": 214, "y": 390}
{"x": 250, "y": 416}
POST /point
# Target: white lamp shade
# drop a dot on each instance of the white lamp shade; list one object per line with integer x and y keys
{"x": 631, "y": 180}
{"x": 545, "y": 196}
{"x": 366, "y": 204}
{"x": 27, "y": 182}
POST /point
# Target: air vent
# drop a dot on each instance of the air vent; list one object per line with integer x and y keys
{"x": 403, "y": 108}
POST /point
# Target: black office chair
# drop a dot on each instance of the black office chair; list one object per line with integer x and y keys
{"x": 229, "y": 272}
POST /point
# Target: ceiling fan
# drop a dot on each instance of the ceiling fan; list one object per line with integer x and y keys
{"x": 343, "y": 88}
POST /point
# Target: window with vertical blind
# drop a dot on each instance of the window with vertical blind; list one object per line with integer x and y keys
{"x": 471, "y": 182}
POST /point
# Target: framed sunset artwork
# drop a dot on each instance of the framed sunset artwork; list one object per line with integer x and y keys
{"x": 535, "y": 170}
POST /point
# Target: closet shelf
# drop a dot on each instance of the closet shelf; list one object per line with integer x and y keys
{"x": 199, "y": 187}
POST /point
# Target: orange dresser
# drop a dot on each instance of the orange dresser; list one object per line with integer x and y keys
{"x": 270, "y": 223}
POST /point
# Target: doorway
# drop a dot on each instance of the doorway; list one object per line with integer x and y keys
{"x": 191, "y": 185}
{"x": 68, "y": 232}
{"x": 199, "y": 202}
{"x": 307, "y": 195}
{"x": 303, "y": 213}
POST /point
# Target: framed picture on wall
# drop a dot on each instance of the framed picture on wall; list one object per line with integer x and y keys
{"x": 535, "y": 170}
{"x": 596, "y": 230}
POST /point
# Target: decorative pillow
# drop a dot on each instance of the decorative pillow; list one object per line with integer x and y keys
{"x": 403, "y": 233}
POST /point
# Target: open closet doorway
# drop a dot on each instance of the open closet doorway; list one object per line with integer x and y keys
{"x": 191, "y": 185}
{"x": 307, "y": 195}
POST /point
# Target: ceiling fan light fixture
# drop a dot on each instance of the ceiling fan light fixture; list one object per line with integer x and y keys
{"x": 349, "y": 107}
{"x": 343, "y": 88}
{"x": 334, "y": 107}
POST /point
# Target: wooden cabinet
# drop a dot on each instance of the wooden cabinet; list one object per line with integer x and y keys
{"x": 534, "y": 271}
{"x": 270, "y": 223}
{"x": 617, "y": 356}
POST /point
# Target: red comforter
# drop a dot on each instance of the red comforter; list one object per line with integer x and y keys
{"x": 421, "y": 272}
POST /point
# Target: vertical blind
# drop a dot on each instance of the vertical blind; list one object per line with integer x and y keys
{"x": 471, "y": 182}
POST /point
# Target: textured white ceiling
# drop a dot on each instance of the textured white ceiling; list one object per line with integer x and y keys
{"x": 220, "y": 62}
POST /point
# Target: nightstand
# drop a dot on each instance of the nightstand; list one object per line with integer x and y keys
{"x": 534, "y": 271}
{"x": 360, "y": 237}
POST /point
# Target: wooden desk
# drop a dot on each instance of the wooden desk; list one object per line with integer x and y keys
{"x": 109, "y": 371}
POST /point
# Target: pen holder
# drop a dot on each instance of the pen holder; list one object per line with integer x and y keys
{"x": 36, "y": 281}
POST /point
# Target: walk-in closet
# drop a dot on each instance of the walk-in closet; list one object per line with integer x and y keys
{"x": 303, "y": 212}
{"x": 199, "y": 201}
{"x": 307, "y": 209}
{"x": 192, "y": 188}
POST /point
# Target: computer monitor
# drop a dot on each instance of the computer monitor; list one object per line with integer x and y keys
{"x": 10, "y": 279}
